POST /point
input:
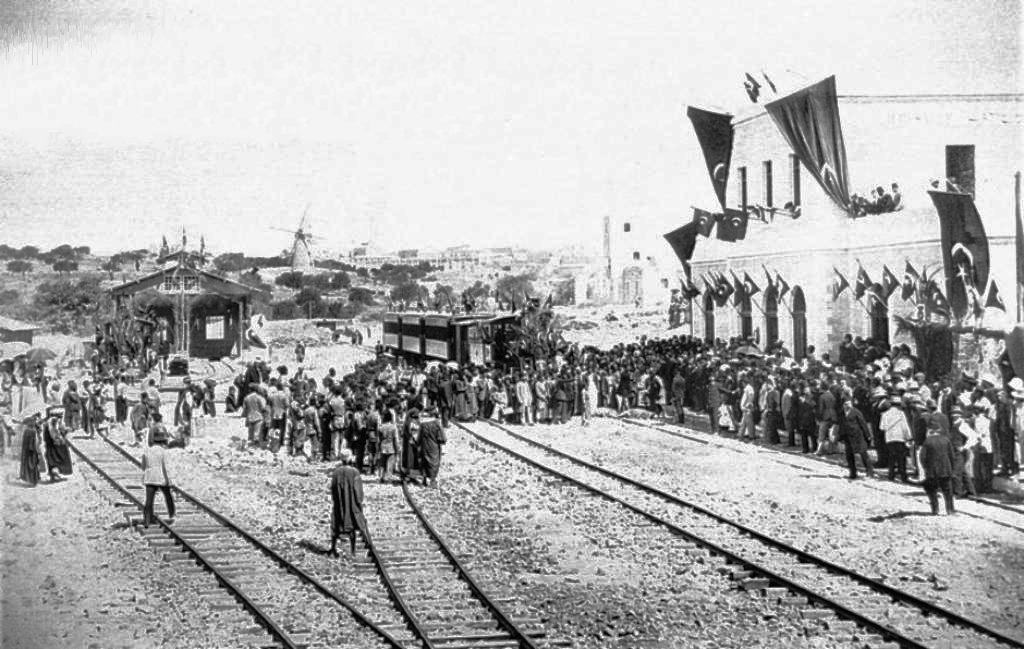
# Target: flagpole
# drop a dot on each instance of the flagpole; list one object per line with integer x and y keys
{"x": 1016, "y": 229}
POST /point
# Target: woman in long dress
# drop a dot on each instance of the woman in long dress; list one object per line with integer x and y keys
{"x": 58, "y": 455}
{"x": 31, "y": 458}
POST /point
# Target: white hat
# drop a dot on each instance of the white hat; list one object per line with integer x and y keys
{"x": 1016, "y": 386}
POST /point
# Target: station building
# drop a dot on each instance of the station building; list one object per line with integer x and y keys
{"x": 909, "y": 140}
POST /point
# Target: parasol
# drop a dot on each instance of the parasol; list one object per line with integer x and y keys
{"x": 13, "y": 349}
{"x": 39, "y": 355}
{"x": 452, "y": 364}
{"x": 748, "y": 350}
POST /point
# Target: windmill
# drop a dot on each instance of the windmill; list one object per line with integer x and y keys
{"x": 302, "y": 256}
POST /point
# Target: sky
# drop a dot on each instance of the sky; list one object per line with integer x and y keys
{"x": 421, "y": 124}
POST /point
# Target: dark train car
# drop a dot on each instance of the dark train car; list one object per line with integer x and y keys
{"x": 479, "y": 338}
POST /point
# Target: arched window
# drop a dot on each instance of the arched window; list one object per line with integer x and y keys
{"x": 709, "y": 318}
{"x": 799, "y": 323}
{"x": 879, "y": 316}
{"x": 746, "y": 317}
{"x": 771, "y": 315}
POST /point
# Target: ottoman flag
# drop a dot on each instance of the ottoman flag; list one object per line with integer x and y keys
{"x": 714, "y": 134}
{"x": 705, "y": 221}
{"x": 809, "y": 121}
{"x": 965, "y": 257}
{"x": 683, "y": 240}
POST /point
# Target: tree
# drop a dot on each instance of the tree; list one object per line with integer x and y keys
{"x": 515, "y": 287}
{"x": 478, "y": 291}
{"x": 62, "y": 251}
{"x": 443, "y": 295}
{"x": 406, "y": 292}
{"x": 230, "y": 262}
{"x": 70, "y": 305}
{"x": 112, "y": 265}
{"x": 310, "y": 301}
{"x": 291, "y": 279}
{"x": 9, "y": 296}
{"x": 8, "y": 252}
{"x": 29, "y": 252}
{"x": 360, "y": 295}
{"x": 82, "y": 251}
{"x": 340, "y": 280}
{"x": 19, "y": 266}
{"x": 65, "y": 265}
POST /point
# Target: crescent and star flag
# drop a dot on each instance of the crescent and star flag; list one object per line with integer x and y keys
{"x": 963, "y": 243}
{"x": 732, "y": 225}
{"x": 839, "y": 285}
{"x": 749, "y": 287}
{"x": 993, "y": 300}
{"x": 705, "y": 220}
{"x": 935, "y": 300}
{"x": 862, "y": 283}
{"x": 911, "y": 278}
{"x": 723, "y": 289}
{"x": 683, "y": 240}
{"x": 768, "y": 276}
{"x": 889, "y": 282}
{"x": 714, "y": 134}
{"x": 783, "y": 286}
{"x": 690, "y": 289}
{"x": 809, "y": 121}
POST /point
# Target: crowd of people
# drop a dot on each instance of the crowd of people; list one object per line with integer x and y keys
{"x": 880, "y": 201}
{"x": 390, "y": 416}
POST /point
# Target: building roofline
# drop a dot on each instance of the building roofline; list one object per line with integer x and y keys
{"x": 743, "y": 116}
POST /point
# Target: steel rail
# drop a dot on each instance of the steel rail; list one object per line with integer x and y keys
{"x": 803, "y": 556}
{"x": 504, "y": 620}
{"x": 823, "y": 461}
{"x": 274, "y": 555}
{"x": 254, "y": 609}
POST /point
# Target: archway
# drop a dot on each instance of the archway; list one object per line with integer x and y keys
{"x": 771, "y": 315}
{"x": 799, "y": 324}
{"x": 879, "y": 316}
{"x": 709, "y": 318}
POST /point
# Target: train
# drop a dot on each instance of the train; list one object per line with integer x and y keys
{"x": 475, "y": 338}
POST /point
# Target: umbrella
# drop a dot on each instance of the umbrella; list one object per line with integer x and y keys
{"x": 12, "y": 349}
{"x": 39, "y": 355}
{"x": 453, "y": 365}
{"x": 748, "y": 350}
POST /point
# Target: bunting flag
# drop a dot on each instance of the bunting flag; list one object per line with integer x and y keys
{"x": 977, "y": 303}
{"x": 935, "y": 300}
{"x": 782, "y": 284}
{"x": 839, "y": 285}
{"x": 889, "y": 282}
{"x": 993, "y": 300}
{"x": 749, "y": 287}
{"x": 690, "y": 289}
{"x": 732, "y": 225}
{"x": 738, "y": 287}
{"x": 768, "y": 277}
{"x": 911, "y": 279}
{"x": 809, "y": 121}
{"x": 723, "y": 289}
{"x": 753, "y": 87}
{"x": 963, "y": 244}
{"x": 862, "y": 283}
{"x": 705, "y": 220}
{"x": 714, "y": 134}
{"x": 683, "y": 240}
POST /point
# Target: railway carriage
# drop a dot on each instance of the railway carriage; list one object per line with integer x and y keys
{"x": 478, "y": 338}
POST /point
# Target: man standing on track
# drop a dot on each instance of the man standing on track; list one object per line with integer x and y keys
{"x": 252, "y": 410}
{"x": 432, "y": 439}
{"x": 346, "y": 503}
{"x": 278, "y": 402}
{"x": 937, "y": 464}
{"x": 855, "y": 437}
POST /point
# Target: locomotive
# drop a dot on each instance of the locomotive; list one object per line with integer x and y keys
{"x": 477, "y": 338}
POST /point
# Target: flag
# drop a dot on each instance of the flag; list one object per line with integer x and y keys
{"x": 714, "y": 134}
{"x": 768, "y": 277}
{"x": 739, "y": 290}
{"x": 683, "y": 240}
{"x": 809, "y": 121}
{"x": 911, "y": 279}
{"x": 782, "y": 284}
{"x": 749, "y": 287}
{"x": 723, "y": 289}
{"x": 769, "y": 81}
{"x": 690, "y": 289}
{"x": 839, "y": 285}
{"x": 935, "y": 300}
{"x": 963, "y": 244}
{"x": 862, "y": 283}
{"x": 993, "y": 300}
{"x": 889, "y": 282}
{"x": 732, "y": 225}
{"x": 753, "y": 87}
{"x": 705, "y": 220}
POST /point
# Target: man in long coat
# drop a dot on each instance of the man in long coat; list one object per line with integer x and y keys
{"x": 937, "y": 460}
{"x": 409, "y": 461}
{"x": 346, "y": 503}
{"x": 432, "y": 439}
{"x": 855, "y": 434}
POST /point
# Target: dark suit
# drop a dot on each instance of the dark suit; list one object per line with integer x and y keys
{"x": 445, "y": 399}
{"x": 855, "y": 437}
{"x": 937, "y": 460}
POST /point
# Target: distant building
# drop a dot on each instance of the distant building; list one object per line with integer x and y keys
{"x": 908, "y": 140}
{"x": 13, "y": 331}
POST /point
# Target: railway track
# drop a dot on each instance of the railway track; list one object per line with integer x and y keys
{"x": 810, "y": 462}
{"x": 876, "y": 613}
{"x": 290, "y": 607}
{"x": 447, "y": 606}
{"x": 410, "y": 583}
